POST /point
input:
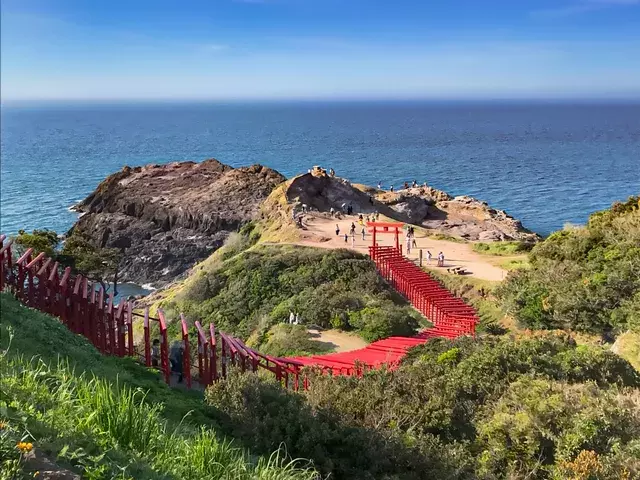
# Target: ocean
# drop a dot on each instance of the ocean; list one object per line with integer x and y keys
{"x": 547, "y": 164}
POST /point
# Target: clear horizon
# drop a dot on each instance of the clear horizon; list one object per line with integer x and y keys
{"x": 303, "y": 50}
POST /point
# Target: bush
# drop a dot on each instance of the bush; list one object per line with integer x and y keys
{"x": 585, "y": 279}
{"x": 258, "y": 288}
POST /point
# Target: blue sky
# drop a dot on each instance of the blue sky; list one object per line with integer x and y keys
{"x": 281, "y": 49}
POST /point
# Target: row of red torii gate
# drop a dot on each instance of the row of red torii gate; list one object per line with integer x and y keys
{"x": 116, "y": 329}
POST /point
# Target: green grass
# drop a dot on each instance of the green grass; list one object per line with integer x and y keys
{"x": 628, "y": 347}
{"x": 107, "y": 417}
{"x": 448, "y": 238}
{"x": 515, "y": 264}
{"x": 501, "y": 248}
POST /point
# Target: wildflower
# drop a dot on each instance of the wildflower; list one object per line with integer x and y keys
{"x": 24, "y": 447}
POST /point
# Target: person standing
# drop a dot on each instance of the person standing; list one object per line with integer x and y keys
{"x": 363, "y": 233}
{"x": 429, "y": 257}
{"x": 337, "y": 230}
{"x": 353, "y": 240}
{"x": 441, "y": 259}
{"x": 346, "y": 238}
{"x": 408, "y": 241}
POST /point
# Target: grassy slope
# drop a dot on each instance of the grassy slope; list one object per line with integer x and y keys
{"x": 60, "y": 394}
{"x": 245, "y": 289}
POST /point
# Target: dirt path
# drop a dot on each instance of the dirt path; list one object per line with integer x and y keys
{"x": 340, "y": 341}
{"x": 320, "y": 231}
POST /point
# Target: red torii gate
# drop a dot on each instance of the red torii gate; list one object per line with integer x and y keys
{"x": 385, "y": 227}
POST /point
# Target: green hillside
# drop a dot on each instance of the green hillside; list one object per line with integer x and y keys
{"x": 585, "y": 279}
{"x": 106, "y": 417}
{"x": 248, "y": 290}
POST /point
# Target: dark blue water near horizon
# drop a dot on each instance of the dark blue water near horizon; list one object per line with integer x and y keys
{"x": 544, "y": 163}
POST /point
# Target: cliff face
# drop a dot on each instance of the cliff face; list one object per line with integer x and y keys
{"x": 167, "y": 217}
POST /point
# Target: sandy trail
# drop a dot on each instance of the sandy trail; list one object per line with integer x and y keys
{"x": 320, "y": 231}
{"x": 340, "y": 341}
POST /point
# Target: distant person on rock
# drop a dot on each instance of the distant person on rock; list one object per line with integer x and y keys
{"x": 406, "y": 185}
{"x": 344, "y": 208}
{"x": 337, "y": 230}
{"x": 391, "y": 188}
{"x": 176, "y": 355}
{"x": 332, "y": 212}
{"x": 414, "y": 184}
{"x": 304, "y": 208}
{"x": 379, "y": 185}
{"x": 155, "y": 353}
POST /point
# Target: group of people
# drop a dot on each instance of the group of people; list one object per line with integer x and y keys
{"x": 406, "y": 186}
{"x": 294, "y": 318}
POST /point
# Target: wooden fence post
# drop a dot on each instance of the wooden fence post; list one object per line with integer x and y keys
{"x": 213, "y": 364}
{"x": 147, "y": 339}
{"x": 164, "y": 348}
{"x": 186, "y": 354}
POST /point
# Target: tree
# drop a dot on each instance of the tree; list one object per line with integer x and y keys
{"x": 98, "y": 264}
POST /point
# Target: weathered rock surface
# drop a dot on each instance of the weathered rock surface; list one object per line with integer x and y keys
{"x": 168, "y": 217}
{"x": 426, "y": 206}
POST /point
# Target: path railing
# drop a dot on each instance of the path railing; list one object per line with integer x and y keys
{"x": 450, "y": 315}
{"x": 85, "y": 308}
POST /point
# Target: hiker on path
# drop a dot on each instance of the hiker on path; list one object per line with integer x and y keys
{"x": 291, "y": 317}
{"x": 353, "y": 229}
{"x": 176, "y": 354}
{"x": 353, "y": 240}
{"x": 408, "y": 244}
{"x": 441, "y": 259}
{"x": 429, "y": 257}
{"x": 363, "y": 233}
{"x": 337, "y": 230}
{"x": 346, "y": 238}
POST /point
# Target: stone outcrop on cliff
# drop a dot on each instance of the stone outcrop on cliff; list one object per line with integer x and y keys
{"x": 426, "y": 206}
{"x": 167, "y": 217}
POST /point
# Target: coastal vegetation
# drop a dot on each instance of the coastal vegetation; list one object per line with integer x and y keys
{"x": 247, "y": 289}
{"x": 66, "y": 407}
{"x": 585, "y": 279}
{"x": 501, "y": 407}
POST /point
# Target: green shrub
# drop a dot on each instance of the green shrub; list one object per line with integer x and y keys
{"x": 585, "y": 279}
{"x": 259, "y": 287}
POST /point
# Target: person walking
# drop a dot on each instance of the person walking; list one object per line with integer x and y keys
{"x": 408, "y": 241}
{"x": 363, "y": 233}
{"x": 429, "y": 257}
{"x": 337, "y": 230}
{"x": 346, "y": 238}
{"x": 353, "y": 240}
{"x": 441, "y": 259}
{"x": 176, "y": 355}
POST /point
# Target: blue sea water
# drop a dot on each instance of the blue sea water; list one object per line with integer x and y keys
{"x": 545, "y": 163}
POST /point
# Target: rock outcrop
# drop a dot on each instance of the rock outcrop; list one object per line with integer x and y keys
{"x": 426, "y": 206}
{"x": 167, "y": 217}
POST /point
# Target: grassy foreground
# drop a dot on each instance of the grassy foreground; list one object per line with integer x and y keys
{"x": 106, "y": 417}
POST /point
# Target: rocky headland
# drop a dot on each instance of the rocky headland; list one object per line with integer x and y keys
{"x": 166, "y": 218}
